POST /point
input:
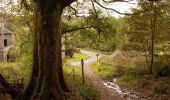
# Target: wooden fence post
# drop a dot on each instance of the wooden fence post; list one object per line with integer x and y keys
{"x": 73, "y": 71}
{"x": 82, "y": 65}
{"x": 97, "y": 55}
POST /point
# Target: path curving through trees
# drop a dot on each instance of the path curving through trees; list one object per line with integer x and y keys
{"x": 105, "y": 91}
{"x": 109, "y": 90}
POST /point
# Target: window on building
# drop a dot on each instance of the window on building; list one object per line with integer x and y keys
{"x": 5, "y": 42}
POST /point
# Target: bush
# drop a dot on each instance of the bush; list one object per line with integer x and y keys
{"x": 12, "y": 55}
{"x": 11, "y": 71}
{"x": 161, "y": 68}
{"x": 162, "y": 88}
{"x": 119, "y": 71}
{"x": 69, "y": 52}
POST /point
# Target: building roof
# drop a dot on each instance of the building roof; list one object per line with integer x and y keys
{"x": 4, "y": 30}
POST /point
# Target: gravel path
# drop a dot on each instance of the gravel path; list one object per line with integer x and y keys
{"x": 105, "y": 93}
{"x": 109, "y": 90}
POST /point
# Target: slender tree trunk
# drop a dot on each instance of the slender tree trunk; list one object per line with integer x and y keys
{"x": 153, "y": 27}
{"x": 146, "y": 58}
{"x": 146, "y": 55}
{"x": 152, "y": 54}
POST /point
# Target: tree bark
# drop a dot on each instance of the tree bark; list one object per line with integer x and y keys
{"x": 47, "y": 80}
{"x": 30, "y": 89}
{"x": 50, "y": 49}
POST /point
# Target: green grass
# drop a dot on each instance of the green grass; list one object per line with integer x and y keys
{"x": 79, "y": 91}
{"x": 133, "y": 76}
{"x": 77, "y": 57}
{"x": 137, "y": 77}
{"x": 104, "y": 70}
{"x": 129, "y": 75}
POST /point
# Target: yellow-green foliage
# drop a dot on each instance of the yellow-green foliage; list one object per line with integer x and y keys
{"x": 162, "y": 88}
{"x": 77, "y": 57}
{"x": 133, "y": 76}
{"x": 103, "y": 69}
{"x": 11, "y": 71}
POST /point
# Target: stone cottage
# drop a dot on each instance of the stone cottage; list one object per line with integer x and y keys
{"x": 6, "y": 39}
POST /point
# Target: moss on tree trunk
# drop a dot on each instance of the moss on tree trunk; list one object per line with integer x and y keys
{"x": 47, "y": 80}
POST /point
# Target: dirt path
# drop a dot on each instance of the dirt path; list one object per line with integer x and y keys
{"x": 105, "y": 92}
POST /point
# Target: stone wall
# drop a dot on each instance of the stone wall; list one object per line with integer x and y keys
{"x": 3, "y": 55}
{"x": 1, "y": 42}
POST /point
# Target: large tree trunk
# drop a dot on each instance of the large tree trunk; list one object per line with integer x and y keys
{"x": 47, "y": 80}
{"x": 49, "y": 49}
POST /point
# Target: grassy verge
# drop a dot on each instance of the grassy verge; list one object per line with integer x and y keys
{"x": 134, "y": 75}
{"x": 79, "y": 91}
{"x": 103, "y": 69}
{"x": 77, "y": 57}
{"x": 137, "y": 78}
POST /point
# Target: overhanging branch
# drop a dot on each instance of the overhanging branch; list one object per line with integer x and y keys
{"x": 80, "y": 28}
{"x": 75, "y": 12}
{"x": 112, "y": 1}
{"x": 94, "y": 9}
{"x": 25, "y": 4}
{"x": 108, "y": 8}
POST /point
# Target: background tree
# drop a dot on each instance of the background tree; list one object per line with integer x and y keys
{"x": 101, "y": 32}
{"x": 146, "y": 30}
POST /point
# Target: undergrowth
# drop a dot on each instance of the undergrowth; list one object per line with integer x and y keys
{"x": 106, "y": 71}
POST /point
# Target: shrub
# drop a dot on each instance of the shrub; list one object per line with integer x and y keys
{"x": 12, "y": 55}
{"x": 161, "y": 68}
{"x": 162, "y": 88}
{"x": 119, "y": 71}
{"x": 69, "y": 52}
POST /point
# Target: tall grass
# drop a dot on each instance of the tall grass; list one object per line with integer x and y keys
{"x": 106, "y": 71}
